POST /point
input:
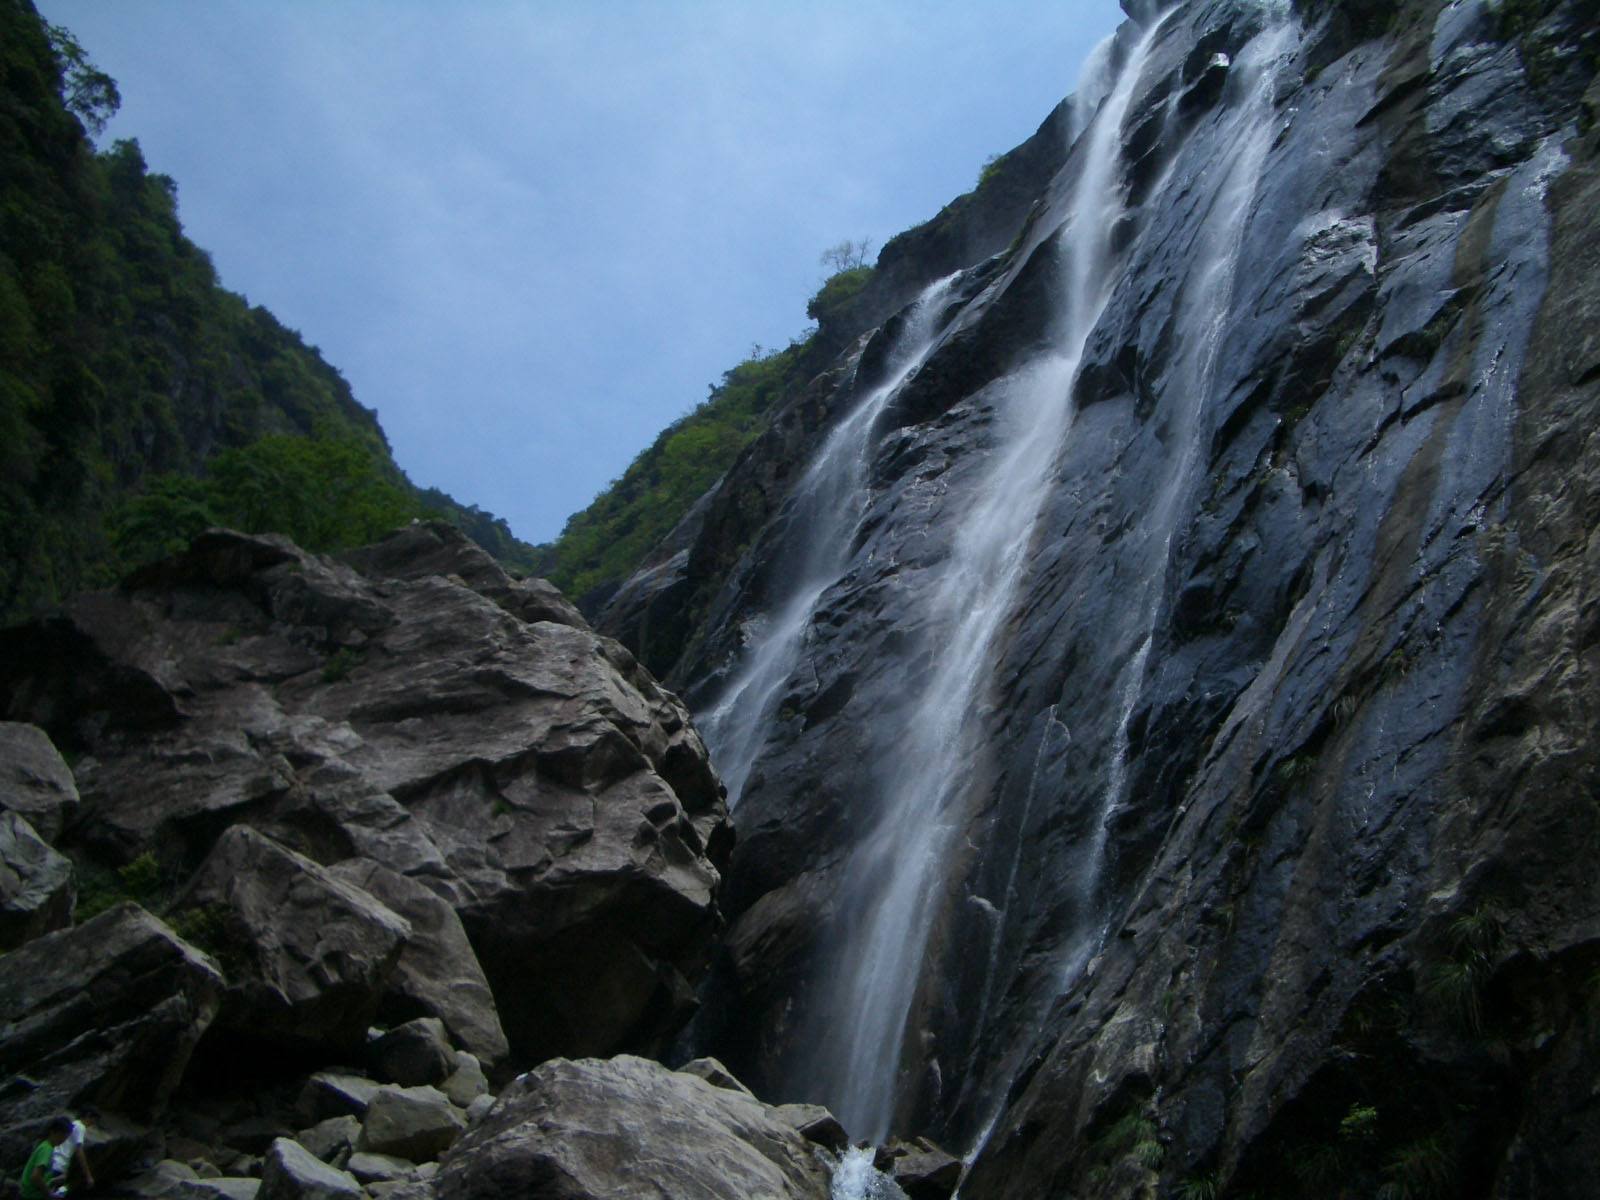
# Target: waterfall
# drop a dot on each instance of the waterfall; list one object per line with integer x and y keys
{"x": 1203, "y": 316}
{"x": 826, "y": 507}
{"x": 889, "y": 888}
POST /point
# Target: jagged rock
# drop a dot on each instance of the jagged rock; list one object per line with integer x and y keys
{"x": 330, "y": 1138}
{"x": 628, "y": 1127}
{"x": 467, "y": 1082}
{"x": 415, "y": 1053}
{"x": 438, "y": 973}
{"x": 714, "y": 1073}
{"x": 815, "y": 1124}
{"x": 414, "y": 1189}
{"x": 291, "y": 1172}
{"x": 921, "y": 1169}
{"x": 222, "y": 1187}
{"x": 370, "y": 1167}
{"x": 36, "y": 884}
{"x": 105, "y": 1014}
{"x": 331, "y": 1094}
{"x": 307, "y": 954}
{"x": 252, "y": 1135}
{"x": 525, "y": 770}
{"x": 34, "y": 779}
{"x": 439, "y": 548}
{"x": 162, "y": 1179}
{"x": 416, "y": 1123}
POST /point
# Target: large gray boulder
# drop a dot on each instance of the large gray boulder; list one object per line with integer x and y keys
{"x": 629, "y": 1129}
{"x": 415, "y": 1123}
{"x": 36, "y": 883}
{"x": 307, "y": 955}
{"x": 106, "y": 1014}
{"x": 414, "y": 708}
{"x": 34, "y": 779}
{"x": 291, "y": 1172}
{"x": 413, "y": 1054}
{"x": 438, "y": 973}
{"x": 427, "y": 548}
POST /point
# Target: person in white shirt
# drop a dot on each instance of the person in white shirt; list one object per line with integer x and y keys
{"x": 65, "y": 1155}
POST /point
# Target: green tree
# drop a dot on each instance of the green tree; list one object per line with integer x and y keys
{"x": 88, "y": 91}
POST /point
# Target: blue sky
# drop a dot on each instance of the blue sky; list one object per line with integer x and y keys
{"x": 532, "y": 234}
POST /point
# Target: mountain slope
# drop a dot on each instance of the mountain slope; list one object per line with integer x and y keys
{"x": 121, "y": 359}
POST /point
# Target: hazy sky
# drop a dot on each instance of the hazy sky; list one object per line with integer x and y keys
{"x": 531, "y": 234}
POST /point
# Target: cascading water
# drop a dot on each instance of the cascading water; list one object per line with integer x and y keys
{"x": 827, "y": 506}
{"x": 1202, "y": 316}
{"x": 889, "y": 884}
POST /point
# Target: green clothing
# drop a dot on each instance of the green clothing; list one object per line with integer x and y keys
{"x": 39, "y": 1158}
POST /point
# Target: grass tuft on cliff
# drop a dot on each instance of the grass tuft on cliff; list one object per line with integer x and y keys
{"x": 603, "y": 544}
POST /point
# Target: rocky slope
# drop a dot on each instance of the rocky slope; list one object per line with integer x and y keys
{"x": 1190, "y": 702}
{"x": 399, "y": 790}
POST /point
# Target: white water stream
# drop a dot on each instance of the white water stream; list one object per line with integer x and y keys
{"x": 828, "y": 505}
{"x": 891, "y": 884}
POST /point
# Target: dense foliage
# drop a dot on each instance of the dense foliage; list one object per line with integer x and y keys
{"x": 602, "y": 545}
{"x": 126, "y": 369}
{"x": 837, "y": 292}
{"x": 326, "y": 493}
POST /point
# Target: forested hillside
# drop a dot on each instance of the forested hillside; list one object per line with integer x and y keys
{"x": 139, "y": 400}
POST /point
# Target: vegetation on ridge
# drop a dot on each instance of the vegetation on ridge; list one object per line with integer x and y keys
{"x": 133, "y": 387}
{"x": 602, "y": 545}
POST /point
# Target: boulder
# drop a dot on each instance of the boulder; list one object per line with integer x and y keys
{"x": 714, "y": 1073}
{"x": 428, "y": 548}
{"x": 34, "y": 779}
{"x": 370, "y": 1168}
{"x": 252, "y": 1135}
{"x": 36, "y": 883}
{"x": 438, "y": 974}
{"x": 401, "y": 1189}
{"x": 815, "y": 1124}
{"x": 161, "y": 1180}
{"x": 628, "y": 1127}
{"x": 416, "y": 1123}
{"x": 221, "y": 1187}
{"x": 921, "y": 1169}
{"x": 307, "y": 955}
{"x": 331, "y": 1094}
{"x": 467, "y": 1082}
{"x": 106, "y": 1013}
{"x": 413, "y": 1054}
{"x": 330, "y": 1138}
{"x": 291, "y": 1172}
{"x": 415, "y": 708}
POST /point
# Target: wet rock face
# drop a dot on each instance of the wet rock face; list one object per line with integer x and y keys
{"x": 457, "y": 739}
{"x": 1277, "y": 767}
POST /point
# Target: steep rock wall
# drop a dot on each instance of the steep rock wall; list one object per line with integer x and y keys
{"x": 1265, "y": 826}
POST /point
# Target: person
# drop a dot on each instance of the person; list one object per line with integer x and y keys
{"x": 36, "y": 1183}
{"x": 71, "y": 1153}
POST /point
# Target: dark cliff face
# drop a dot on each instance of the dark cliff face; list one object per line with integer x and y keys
{"x": 1193, "y": 713}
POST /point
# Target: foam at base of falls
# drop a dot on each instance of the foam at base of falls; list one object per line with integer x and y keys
{"x": 855, "y": 1178}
